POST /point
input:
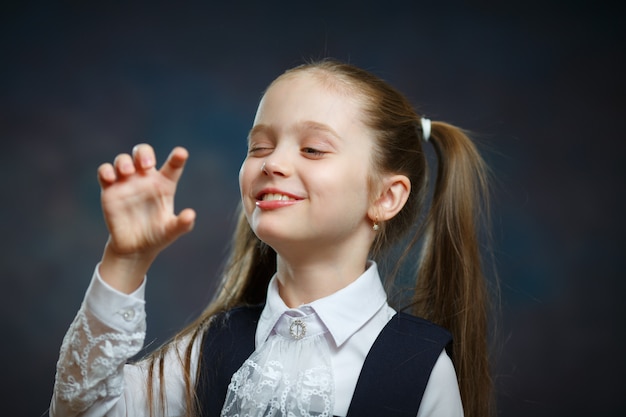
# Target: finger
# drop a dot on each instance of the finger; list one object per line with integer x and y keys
{"x": 143, "y": 156}
{"x": 123, "y": 164}
{"x": 173, "y": 167}
{"x": 186, "y": 219}
{"x": 185, "y": 222}
{"x": 106, "y": 175}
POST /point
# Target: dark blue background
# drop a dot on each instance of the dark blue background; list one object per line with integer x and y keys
{"x": 541, "y": 83}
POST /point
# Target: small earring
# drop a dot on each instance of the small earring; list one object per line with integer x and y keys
{"x": 375, "y": 226}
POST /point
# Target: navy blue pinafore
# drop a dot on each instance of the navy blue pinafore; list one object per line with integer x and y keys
{"x": 391, "y": 383}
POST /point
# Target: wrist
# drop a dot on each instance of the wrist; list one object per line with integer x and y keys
{"x": 124, "y": 272}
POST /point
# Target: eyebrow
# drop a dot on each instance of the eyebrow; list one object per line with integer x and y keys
{"x": 321, "y": 127}
{"x": 300, "y": 126}
{"x": 259, "y": 129}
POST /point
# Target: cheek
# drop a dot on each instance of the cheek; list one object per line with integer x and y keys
{"x": 245, "y": 182}
{"x": 241, "y": 175}
{"x": 348, "y": 195}
{"x": 245, "y": 174}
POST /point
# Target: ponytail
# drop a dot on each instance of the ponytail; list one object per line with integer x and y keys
{"x": 451, "y": 289}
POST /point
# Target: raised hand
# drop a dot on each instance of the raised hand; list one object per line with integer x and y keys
{"x": 138, "y": 207}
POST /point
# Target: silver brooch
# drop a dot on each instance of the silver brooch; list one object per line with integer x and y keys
{"x": 297, "y": 329}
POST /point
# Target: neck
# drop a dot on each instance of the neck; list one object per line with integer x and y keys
{"x": 303, "y": 281}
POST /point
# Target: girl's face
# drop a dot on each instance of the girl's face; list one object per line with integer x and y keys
{"x": 304, "y": 182}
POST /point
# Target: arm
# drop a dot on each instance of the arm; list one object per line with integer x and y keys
{"x": 108, "y": 329}
{"x": 442, "y": 397}
{"x": 137, "y": 202}
{"x": 93, "y": 378}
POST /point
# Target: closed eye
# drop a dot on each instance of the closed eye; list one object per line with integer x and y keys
{"x": 259, "y": 151}
{"x": 313, "y": 152}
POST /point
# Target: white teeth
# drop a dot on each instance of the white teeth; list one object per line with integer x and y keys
{"x": 273, "y": 197}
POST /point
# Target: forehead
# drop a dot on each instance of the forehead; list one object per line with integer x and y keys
{"x": 309, "y": 96}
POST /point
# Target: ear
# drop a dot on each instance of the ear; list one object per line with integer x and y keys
{"x": 394, "y": 192}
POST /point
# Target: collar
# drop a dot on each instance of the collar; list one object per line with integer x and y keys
{"x": 343, "y": 312}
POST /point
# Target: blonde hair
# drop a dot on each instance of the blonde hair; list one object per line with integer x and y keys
{"x": 450, "y": 288}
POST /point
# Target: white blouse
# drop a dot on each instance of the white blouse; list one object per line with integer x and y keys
{"x": 93, "y": 378}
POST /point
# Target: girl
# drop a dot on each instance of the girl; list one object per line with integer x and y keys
{"x": 335, "y": 175}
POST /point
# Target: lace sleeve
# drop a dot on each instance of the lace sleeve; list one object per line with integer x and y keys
{"x": 91, "y": 361}
{"x": 108, "y": 329}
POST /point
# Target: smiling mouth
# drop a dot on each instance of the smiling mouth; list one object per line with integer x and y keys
{"x": 276, "y": 197}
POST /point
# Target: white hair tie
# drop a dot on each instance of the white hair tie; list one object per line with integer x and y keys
{"x": 425, "y": 128}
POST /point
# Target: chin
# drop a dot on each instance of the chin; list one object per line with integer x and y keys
{"x": 281, "y": 240}
{"x": 269, "y": 234}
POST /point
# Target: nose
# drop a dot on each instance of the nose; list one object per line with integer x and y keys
{"x": 276, "y": 165}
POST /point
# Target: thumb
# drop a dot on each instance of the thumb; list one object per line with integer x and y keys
{"x": 183, "y": 223}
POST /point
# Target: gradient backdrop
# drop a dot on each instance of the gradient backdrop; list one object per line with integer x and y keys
{"x": 541, "y": 83}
